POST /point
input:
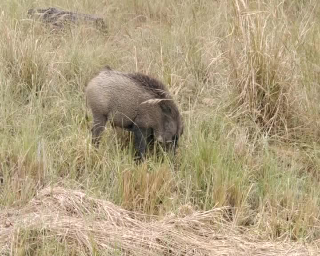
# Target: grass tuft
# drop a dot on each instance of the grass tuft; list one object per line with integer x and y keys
{"x": 245, "y": 75}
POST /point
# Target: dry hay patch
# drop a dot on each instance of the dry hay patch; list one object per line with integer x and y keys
{"x": 76, "y": 218}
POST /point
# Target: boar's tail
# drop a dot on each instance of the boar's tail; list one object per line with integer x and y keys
{"x": 86, "y": 114}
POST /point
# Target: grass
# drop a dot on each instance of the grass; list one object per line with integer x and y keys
{"x": 244, "y": 73}
{"x": 88, "y": 226}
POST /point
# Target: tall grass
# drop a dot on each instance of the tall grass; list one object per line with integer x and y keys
{"x": 245, "y": 74}
{"x": 266, "y": 78}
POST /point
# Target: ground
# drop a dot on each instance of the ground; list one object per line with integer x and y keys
{"x": 245, "y": 75}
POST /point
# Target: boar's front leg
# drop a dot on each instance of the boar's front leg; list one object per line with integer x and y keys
{"x": 141, "y": 138}
{"x": 99, "y": 122}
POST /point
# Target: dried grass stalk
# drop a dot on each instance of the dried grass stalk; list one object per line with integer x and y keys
{"x": 92, "y": 223}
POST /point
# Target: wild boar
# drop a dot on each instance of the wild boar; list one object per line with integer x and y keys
{"x": 136, "y": 102}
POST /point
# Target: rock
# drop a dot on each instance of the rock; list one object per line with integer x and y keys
{"x": 58, "y": 18}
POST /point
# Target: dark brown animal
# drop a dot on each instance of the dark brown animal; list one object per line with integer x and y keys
{"x": 135, "y": 102}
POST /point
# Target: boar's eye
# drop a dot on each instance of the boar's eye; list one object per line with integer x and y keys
{"x": 166, "y": 109}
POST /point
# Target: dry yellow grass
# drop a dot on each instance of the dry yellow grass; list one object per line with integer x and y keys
{"x": 245, "y": 74}
{"x": 92, "y": 225}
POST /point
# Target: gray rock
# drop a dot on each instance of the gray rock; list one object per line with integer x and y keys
{"x": 59, "y": 18}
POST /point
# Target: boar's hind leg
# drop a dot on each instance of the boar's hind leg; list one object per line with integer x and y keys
{"x": 99, "y": 122}
{"x": 141, "y": 138}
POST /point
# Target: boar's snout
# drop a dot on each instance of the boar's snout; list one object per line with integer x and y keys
{"x": 170, "y": 145}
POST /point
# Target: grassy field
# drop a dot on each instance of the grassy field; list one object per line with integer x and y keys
{"x": 245, "y": 74}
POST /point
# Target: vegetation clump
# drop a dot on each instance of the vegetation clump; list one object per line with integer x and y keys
{"x": 245, "y": 74}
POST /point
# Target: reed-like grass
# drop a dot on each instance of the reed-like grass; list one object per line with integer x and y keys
{"x": 245, "y": 75}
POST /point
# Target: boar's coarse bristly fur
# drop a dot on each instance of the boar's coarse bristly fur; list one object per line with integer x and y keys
{"x": 135, "y": 102}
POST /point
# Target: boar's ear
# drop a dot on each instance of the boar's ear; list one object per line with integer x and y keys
{"x": 165, "y": 108}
